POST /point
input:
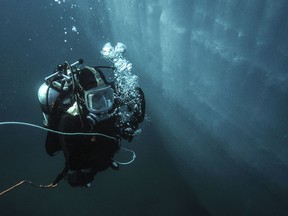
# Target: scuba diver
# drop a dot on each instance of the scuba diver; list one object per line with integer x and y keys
{"x": 91, "y": 114}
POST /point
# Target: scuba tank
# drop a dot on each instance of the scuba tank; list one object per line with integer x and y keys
{"x": 57, "y": 87}
{"x": 47, "y": 97}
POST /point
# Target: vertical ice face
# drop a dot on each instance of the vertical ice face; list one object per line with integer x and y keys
{"x": 220, "y": 69}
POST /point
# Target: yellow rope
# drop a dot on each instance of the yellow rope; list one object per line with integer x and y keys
{"x": 29, "y": 182}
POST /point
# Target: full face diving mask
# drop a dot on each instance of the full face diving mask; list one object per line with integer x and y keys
{"x": 99, "y": 100}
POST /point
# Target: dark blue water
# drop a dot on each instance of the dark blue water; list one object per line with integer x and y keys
{"x": 215, "y": 79}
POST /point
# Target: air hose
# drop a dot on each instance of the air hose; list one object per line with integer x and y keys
{"x": 53, "y": 184}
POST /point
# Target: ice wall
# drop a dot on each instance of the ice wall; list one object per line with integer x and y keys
{"x": 216, "y": 83}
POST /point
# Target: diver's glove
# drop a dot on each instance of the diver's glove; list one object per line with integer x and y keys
{"x": 126, "y": 134}
{"x": 80, "y": 178}
{"x": 128, "y": 131}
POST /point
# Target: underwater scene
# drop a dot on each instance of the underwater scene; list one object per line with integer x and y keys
{"x": 144, "y": 107}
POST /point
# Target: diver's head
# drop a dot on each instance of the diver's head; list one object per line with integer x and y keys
{"x": 96, "y": 93}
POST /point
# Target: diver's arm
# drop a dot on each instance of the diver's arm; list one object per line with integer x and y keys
{"x": 71, "y": 145}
